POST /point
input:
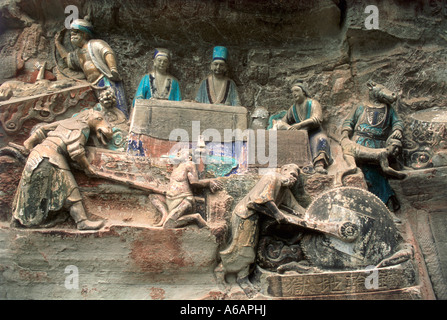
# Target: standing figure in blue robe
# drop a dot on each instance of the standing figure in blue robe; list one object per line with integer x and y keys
{"x": 94, "y": 58}
{"x": 371, "y": 125}
{"x": 159, "y": 84}
{"x": 217, "y": 88}
{"x": 306, "y": 114}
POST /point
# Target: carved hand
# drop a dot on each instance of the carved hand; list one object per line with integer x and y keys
{"x": 115, "y": 75}
{"x": 59, "y": 36}
{"x": 296, "y": 126}
{"x": 397, "y": 134}
{"x": 215, "y": 185}
{"x": 344, "y": 134}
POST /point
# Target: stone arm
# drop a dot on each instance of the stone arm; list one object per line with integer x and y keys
{"x": 270, "y": 209}
{"x": 143, "y": 90}
{"x": 85, "y": 165}
{"x": 193, "y": 177}
{"x": 397, "y": 125}
{"x": 59, "y": 46}
{"x": 110, "y": 59}
{"x": 350, "y": 122}
{"x": 76, "y": 151}
{"x": 384, "y": 164}
{"x": 38, "y": 136}
{"x": 315, "y": 120}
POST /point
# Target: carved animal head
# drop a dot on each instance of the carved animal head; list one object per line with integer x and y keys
{"x": 97, "y": 122}
{"x": 393, "y": 147}
{"x": 290, "y": 173}
{"x": 378, "y": 93}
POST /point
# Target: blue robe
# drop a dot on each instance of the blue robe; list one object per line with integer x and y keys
{"x": 318, "y": 141}
{"x": 230, "y": 98}
{"x": 371, "y": 128}
{"x": 147, "y": 89}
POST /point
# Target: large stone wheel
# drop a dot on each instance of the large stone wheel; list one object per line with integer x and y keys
{"x": 376, "y": 234}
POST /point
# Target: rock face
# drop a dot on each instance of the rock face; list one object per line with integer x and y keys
{"x": 271, "y": 44}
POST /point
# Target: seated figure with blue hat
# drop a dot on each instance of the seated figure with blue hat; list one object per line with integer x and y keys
{"x": 217, "y": 88}
{"x": 94, "y": 57}
{"x": 159, "y": 83}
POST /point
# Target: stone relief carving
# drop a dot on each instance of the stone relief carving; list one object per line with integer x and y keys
{"x": 307, "y": 114}
{"x": 276, "y": 240}
{"x": 371, "y": 125}
{"x": 47, "y": 184}
{"x": 159, "y": 83}
{"x": 94, "y": 58}
{"x": 217, "y": 88}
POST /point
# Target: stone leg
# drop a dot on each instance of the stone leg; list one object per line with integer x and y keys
{"x": 159, "y": 203}
{"x": 180, "y": 216}
{"x": 349, "y": 169}
{"x": 78, "y": 214}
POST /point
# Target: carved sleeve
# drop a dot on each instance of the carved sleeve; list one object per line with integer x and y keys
{"x": 143, "y": 91}
{"x": 316, "y": 115}
{"x": 73, "y": 61}
{"x": 352, "y": 119}
{"x": 396, "y": 122}
{"x": 76, "y": 149}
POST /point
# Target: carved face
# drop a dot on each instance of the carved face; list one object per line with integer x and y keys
{"x": 182, "y": 155}
{"x": 379, "y": 93}
{"x": 394, "y": 149}
{"x": 78, "y": 38}
{"x": 290, "y": 173}
{"x": 100, "y": 125}
{"x": 298, "y": 94}
{"x": 161, "y": 63}
{"x": 219, "y": 67}
{"x": 107, "y": 98}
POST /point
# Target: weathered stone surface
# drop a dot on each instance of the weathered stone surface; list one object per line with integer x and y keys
{"x": 119, "y": 262}
{"x": 164, "y": 119}
{"x": 341, "y": 283}
{"x": 423, "y": 198}
{"x": 273, "y": 149}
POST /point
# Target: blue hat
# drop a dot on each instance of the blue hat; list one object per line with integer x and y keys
{"x": 220, "y": 53}
{"x": 82, "y": 25}
{"x": 162, "y": 52}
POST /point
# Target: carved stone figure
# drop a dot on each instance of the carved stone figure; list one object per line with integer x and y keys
{"x": 267, "y": 195}
{"x": 306, "y": 114}
{"x": 47, "y": 184}
{"x": 116, "y": 118}
{"x": 353, "y": 153}
{"x": 371, "y": 125}
{"x": 178, "y": 207}
{"x": 159, "y": 83}
{"x": 94, "y": 58}
{"x": 217, "y": 88}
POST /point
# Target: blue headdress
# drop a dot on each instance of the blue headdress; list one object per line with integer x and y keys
{"x": 162, "y": 52}
{"x": 83, "y": 25}
{"x": 220, "y": 53}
